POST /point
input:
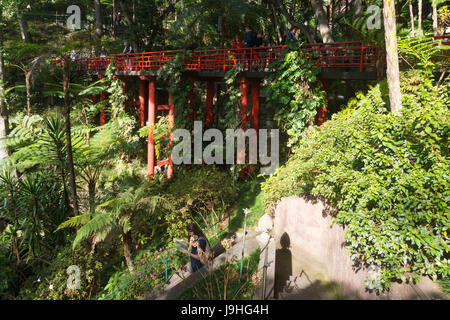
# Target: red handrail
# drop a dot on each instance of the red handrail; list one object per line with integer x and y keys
{"x": 353, "y": 55}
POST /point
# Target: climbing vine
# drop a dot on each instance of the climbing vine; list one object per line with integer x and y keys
{"x": 178, "y": 87}
{"x": 232, "y": 102}
{"x": 293, "y": 93}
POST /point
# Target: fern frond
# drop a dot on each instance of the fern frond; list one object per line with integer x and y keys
{"x": 97, "y": 224}
{"x": 76, "y": 221}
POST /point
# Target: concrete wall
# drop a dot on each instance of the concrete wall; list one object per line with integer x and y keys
{"x": 315, "y": 248}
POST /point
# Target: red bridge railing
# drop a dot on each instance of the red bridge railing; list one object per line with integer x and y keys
{"x": 337, "y": 56}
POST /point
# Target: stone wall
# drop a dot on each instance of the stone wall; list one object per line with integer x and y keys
{"x": 308, "y": 246}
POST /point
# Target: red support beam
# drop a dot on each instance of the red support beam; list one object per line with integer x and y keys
{"x": 102, "y": 113}
{"x": 142, "y": 87}
{"x": 255, "y": 104}
{"x": 254, "y": 116}
{"x": 102, "y": 98}
{"x": 193, "y": 112}
{"x": 244, "y": 103}
{"x": 209, "y": 102}
{"x": 151, "y": 121}
{"x": 171, "y": 124}
{"x": 243, "y": 113}
{"x": 321, "y": 115}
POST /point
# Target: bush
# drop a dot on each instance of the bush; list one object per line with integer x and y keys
{"x": 51, "y": 282}
{"x": 388, "y": 176}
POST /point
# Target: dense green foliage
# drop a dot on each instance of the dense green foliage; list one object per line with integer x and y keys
{"x": 294, "y": 93}
{"x": 387, "y": 174}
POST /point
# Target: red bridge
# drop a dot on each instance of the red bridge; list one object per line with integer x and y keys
{"x": 340, "y": 60}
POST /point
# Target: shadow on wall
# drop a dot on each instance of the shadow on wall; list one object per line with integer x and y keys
{"x": 283, "y": 264}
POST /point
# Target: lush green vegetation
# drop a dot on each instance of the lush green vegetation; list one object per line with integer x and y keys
{"x": 73, "y": 193}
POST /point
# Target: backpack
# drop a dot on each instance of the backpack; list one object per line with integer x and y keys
{"x": 207, "y": 255}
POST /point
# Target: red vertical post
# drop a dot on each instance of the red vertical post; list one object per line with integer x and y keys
{"x": 102, "y": 112}
{"x": 142, "y": 86}
{"x": 171, "y": 124}
{"x": 244, "y": 103}
{"x": 193, "y": 112}
{"x": 243, "y": 113}
{"x": 321, "y": 115}
{"x": 255, "y": 113}
{"x": 209, "y": 101}
{"x": 255, "y": 104}
{"x": 151, "y": 121}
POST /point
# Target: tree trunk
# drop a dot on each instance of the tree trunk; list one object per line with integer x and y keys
{"x": 127, "y": 251}
{"x": 114, "y": 17}
{"x": 3, "y": 108}
{"x": 435, "y": 20}
{"x": 393, "y": 71}
{"x": 66, "y": 78}
{"x": 23, "y": 26}
{"x": 98, "y": 19}
{"x": 306, "y": 30}
{"x": 411, "y": 15}
{"x": 322, "y": 19}
{"x": 419, "y": 27}
{"x": 91, "y": 192}
{"x": 276, "y": 25}
{"x": 28, "y": 88}
{"x": 358, "y": 8}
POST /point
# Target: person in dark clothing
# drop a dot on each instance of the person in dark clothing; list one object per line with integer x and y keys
{"x": 292, "y": 34}
{"x": 250, "y": 42}
{"x": 250, "y": 37}
{"x": 259, "y": 39}
{"x": 197, "y": 245}
{"x": 127, "y": 50}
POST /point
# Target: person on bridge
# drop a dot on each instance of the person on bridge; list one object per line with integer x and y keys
{"x": 128, "y": 50}
{"x": 237, "y": 50}
{"x": 103, "y": 55}
{"x": 292, "y": 34}
{"x": 250, "y": 42}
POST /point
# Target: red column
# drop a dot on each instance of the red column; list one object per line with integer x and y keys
{"x": 255, "y": 113}
{"x": 243, "y": 113}
{"x": 244, "y": 103}
{"x": 142, "y": 85}
{"x": 255, "y": 104}
{"x": 321, "y": 115}
{"x": 102, "y": 113}
{"x": 193, "y": 112}
{"x": 151, "y": 120}
{"x": 209, "y": 102}
{"x": 171, "y": 124}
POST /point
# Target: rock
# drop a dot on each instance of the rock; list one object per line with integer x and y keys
{"x": 265, "y": 223}
{"x": 262, "y": 239}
